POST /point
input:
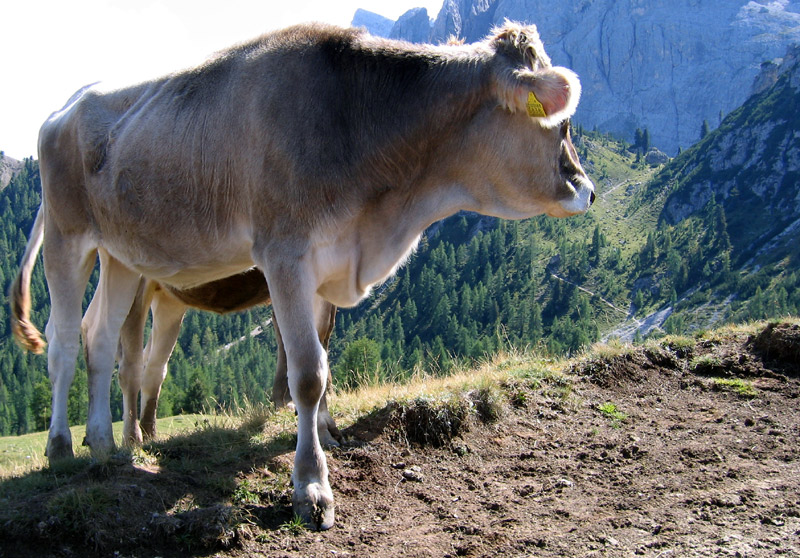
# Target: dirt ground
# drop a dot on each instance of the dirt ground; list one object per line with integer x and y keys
{"x": 694, "y": 453}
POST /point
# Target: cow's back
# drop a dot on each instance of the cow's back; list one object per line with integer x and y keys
{"x": 296, "y": 129}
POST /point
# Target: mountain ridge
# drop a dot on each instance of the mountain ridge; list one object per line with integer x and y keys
{"x": 8, "y": 168}
{"x": 637, "y": 59}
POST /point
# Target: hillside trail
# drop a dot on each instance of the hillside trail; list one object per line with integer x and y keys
{"x": 683, "y": 448}
{"x": 608, "y": 303}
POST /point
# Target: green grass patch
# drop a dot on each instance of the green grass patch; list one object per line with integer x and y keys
{"x": 610, "y": 411}
{"x": 22, "y": 454}
{"x": 704, "y": 363}
{"x": 741, "y": 387}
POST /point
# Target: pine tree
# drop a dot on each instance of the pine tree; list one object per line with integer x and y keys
{"x": 197, "y": 396}
{"x": 704, "y": 129}
{"x": 40, "y": 404}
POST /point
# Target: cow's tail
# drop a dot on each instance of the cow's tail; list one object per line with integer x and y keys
{"x": 19, "y": 296}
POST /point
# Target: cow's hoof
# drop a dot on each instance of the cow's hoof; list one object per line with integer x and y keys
{"x": 314, "y": 506}
{"x": 329, "y": 435}
{"x": 134, "y": 438}
{"x": 101, "y": 445}
{"x": 58, "y": 448}
{"x": 148, "y": 420}
{"x": 327, "y": 440}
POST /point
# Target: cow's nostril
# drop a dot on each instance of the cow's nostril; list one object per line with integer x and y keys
{"x": 591, "y": 199}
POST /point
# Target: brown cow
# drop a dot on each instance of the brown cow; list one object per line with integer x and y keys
{"x": 318, "y": 155}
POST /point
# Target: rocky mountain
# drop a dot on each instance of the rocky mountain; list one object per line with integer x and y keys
{"x": 664, "y": 65}
{"x": 414, "y": 25}
{"x": 8, "y": 168}
{"x": 751, "y": 166}
{"x": 372, "y": 22}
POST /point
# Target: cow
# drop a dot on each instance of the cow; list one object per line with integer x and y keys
{"x": 318, "y": 155}
{"x": 168, "y": 306}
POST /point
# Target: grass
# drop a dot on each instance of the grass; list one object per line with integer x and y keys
{"x": 610, "y": 411}
{"x": 504, "y": 368}
{"x": 705, "y": 362}
{"x": 294, "y": 527}
{"x": 739, "y": 386}
{"x": 21, "y": 454}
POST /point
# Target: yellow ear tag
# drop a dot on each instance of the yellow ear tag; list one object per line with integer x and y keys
{"x": 535, "y": 108}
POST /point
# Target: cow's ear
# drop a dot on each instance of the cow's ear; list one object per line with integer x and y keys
{"x": 549, "y": 94}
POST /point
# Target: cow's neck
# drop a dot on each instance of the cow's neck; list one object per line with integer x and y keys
{"x": 407, "y": 186}
{"x": 379, "y": 240}
{"x": 390, "y": 233}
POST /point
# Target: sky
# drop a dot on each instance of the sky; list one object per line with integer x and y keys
{"x": 52, "y": 48}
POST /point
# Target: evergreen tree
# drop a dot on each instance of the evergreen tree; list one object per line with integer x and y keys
{"x": 196, "y": 399}
{"x": 40, "y": 404}
{"x": 704, "y": 129}
{"x": 359, "y": 361}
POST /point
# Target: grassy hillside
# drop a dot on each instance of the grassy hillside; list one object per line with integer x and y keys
{"x": 20, "y": 455}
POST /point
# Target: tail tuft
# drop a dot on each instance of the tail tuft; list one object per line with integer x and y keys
{"x": 22, "y": 329}
{"x": 20, "y": 293}
{"x": 28, "y": 336}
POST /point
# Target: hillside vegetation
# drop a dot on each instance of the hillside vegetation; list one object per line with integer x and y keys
{"x": 683, "y": 446}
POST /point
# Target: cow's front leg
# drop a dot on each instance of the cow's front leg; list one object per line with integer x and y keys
{"x": 329, "y": 434}
{"x": 294, "y": 302}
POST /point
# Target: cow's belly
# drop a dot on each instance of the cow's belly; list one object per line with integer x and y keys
{"x": 182, "y": 265}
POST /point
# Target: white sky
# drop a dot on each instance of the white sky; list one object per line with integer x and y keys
{"x": 52, "y": 48}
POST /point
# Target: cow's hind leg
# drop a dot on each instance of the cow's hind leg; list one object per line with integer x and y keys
{"x": 68, "y": 262}
{"x": 294, "y": 301}
{"x": 112, "y": 301}
{"x": 168, "y": 314}
{"x": 280, "y": 387}
{"x": 131, "y": 342}
{"x": 328, "y": 432}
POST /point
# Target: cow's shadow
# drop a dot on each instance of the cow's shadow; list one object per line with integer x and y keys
{"x": 201, "y": 491}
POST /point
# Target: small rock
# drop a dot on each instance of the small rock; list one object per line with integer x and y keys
{"x": 413, "y": 474}
{"x": 656, "y": 157}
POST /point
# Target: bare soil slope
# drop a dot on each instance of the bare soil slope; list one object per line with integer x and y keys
{"x": 684, "y": 448}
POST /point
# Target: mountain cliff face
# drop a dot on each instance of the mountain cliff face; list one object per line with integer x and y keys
{"x": 414, "y": 26}
{"x": 751, "y": 166}
{"x": 664, "y": 65}
{"x": 8, "y": 168}
{"x": 372, "y": 22}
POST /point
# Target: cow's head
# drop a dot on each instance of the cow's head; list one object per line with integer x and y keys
{"x": 539, "y": 99}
